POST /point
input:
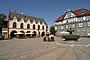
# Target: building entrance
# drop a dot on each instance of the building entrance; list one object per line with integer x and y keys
{"x": 13, "y": 35}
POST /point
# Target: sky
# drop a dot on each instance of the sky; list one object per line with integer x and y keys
{"x": 49, "y": 10}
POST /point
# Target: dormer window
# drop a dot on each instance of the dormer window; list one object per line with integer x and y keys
{"x": 31, "y": 21}
{"x": 18, "y": 19}
{"x": 82, "y": 12}
{"x": 25, "y": 19}
{"x": 36, "y": 21}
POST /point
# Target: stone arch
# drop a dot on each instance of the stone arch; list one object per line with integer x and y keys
{"x": 22, "y": 35}
{"x": 34, "y": 34}
{"x": 28, "y": 32}
{"x": 12, "y": 34}
{"x": 43, "y": 34}
{"x": 28, "y": 35}
{"x": 22, "y": 31}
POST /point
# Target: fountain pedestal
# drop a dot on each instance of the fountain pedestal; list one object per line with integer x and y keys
{"x": 71, "y": 36}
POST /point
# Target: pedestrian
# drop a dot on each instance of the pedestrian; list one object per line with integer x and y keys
{"x": 52, "y": 37}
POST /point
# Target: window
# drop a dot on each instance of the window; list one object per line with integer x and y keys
{"x": 88, "y": 18}
{"x": 21, "y": 26}
{"x": 70, "y": 20}
{"x": 62, "y": 27}
{"x": 43, "y": 27}
{"x": 82, "y": 12}
{"x": 76, "y": 19}
{"x": 5, "y": 24}
{"x": 14, "y": 25}
{"x": 88, "y": 23}
{"x": 66, "y": 26}
{"x": 73, "y": 25}
{"x": 33, "y": 26}
{"x": 69, "y": 15}
{"x": 28, "y": 26}
{"x": 46, "y": 28}
{"x": 80, "y": 25}
{"x": 84, "y": 18}
{"x": 64, "y": 21}
{"x": 38, "y": 27}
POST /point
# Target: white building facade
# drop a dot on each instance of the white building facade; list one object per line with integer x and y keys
{"x": 79, "y": 20}
{"x": 20, "y": 25}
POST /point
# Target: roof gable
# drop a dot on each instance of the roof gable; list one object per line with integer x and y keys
{"x": 69, "y": 15}
{"x": 75, "y": 13}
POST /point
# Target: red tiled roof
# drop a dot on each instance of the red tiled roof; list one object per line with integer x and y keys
{"x": 60, "y": 19}
{"x": 81, "y": 12}
{"x": 78, "y": 12}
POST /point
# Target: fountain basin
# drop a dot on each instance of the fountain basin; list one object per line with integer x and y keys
{"x": 71, "y": 37}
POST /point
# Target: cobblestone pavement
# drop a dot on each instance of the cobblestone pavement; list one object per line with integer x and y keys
{"x": 36, "y": 49}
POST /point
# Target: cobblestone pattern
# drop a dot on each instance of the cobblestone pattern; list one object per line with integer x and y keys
{"x": 24, "y": 49}
{"x": 36, "y": 49}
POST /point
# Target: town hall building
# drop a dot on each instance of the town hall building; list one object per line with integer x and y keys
{"x": 21, "y": 26}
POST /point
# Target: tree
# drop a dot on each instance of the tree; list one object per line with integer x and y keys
{"x": 52, "y": 30}
{"x": 1, "y": 20}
